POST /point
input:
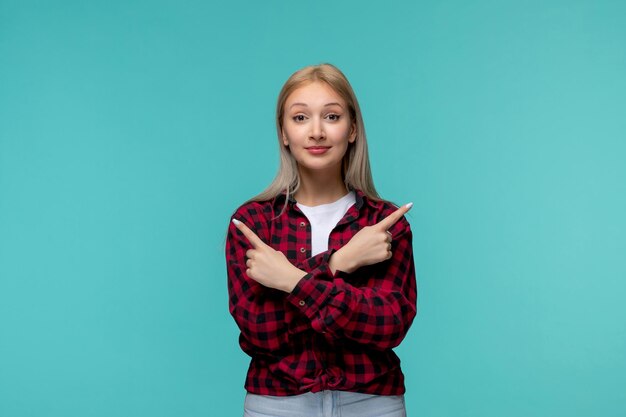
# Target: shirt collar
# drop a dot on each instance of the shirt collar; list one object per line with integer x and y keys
{"x": 360, "y": 199}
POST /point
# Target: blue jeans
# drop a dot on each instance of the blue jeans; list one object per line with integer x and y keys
{"x": 325, "y": 404}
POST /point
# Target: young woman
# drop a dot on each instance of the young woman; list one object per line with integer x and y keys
{"x": 321, "y": 277}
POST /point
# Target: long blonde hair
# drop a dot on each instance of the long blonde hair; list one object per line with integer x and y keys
{"x": 356, "y": 172}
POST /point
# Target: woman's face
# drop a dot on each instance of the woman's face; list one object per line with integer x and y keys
{"x": 317, "y": 127}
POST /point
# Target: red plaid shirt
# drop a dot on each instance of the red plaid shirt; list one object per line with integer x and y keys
{"x": 332, "y": 332}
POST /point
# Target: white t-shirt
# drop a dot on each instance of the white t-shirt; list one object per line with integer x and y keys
{"x": 324, "y": 218}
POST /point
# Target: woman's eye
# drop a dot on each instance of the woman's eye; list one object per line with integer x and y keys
{"x": 298, "y": 117}
{"x": 333, "y": 117}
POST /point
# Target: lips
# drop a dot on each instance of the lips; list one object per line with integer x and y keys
{"x": 317, "y": 150}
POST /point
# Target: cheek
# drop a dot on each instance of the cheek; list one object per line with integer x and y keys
{"x": 340, "y": 132}
{"x": 289, "y": 134}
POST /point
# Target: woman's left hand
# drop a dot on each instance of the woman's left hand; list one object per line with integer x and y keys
{"x": 267, "y": 266}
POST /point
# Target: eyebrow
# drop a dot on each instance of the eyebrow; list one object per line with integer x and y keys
{"x": 325, "y": 105}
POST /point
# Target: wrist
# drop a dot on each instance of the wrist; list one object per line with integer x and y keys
{"x": 293, "y": 280}
{"x": 339, "y": 261}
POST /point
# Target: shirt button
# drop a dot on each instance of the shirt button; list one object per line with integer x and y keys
{"x": 303, "y": 249}
{"x": 301, "y": 302}
{"x": 302, "y": 224}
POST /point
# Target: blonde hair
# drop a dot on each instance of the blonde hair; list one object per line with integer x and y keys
{"x": 356, "y": 172}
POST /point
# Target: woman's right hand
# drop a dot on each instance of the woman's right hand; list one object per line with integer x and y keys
{"x": 370, "y": 245}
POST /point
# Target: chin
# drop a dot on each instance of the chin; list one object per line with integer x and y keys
{"x": 325, "y": 166}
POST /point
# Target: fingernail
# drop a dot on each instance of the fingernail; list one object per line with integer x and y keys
{"x": 237, "y": 222}
{"x": 409, "y": 205}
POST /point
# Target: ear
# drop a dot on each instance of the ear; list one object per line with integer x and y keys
{"x": 284, "y": 137}
{"x": 352, "y": 136}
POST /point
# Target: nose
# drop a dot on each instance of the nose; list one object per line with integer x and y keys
{"x": 317, "y": 129}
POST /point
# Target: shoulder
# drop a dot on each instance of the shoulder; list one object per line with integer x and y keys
{"x": 254, "y": 211}
{"x": 257, "y": 215}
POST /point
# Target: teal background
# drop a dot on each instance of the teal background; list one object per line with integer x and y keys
{"x": 130, "y": 131}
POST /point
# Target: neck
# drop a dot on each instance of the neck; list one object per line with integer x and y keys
{"x": 320, "y": 187}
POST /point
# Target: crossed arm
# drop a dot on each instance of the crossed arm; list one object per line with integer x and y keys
{"x": 377, "y": 315}
{"x": 272, "y": 269}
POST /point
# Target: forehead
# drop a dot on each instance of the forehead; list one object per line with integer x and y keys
{"x": 314, "y": 93}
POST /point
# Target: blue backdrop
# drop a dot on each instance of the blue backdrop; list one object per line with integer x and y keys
{"x": 130, "y": 131}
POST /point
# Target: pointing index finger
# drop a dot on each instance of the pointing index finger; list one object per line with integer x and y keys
{"x": 390, "y": 220}
{"x": 249, "y": 234}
